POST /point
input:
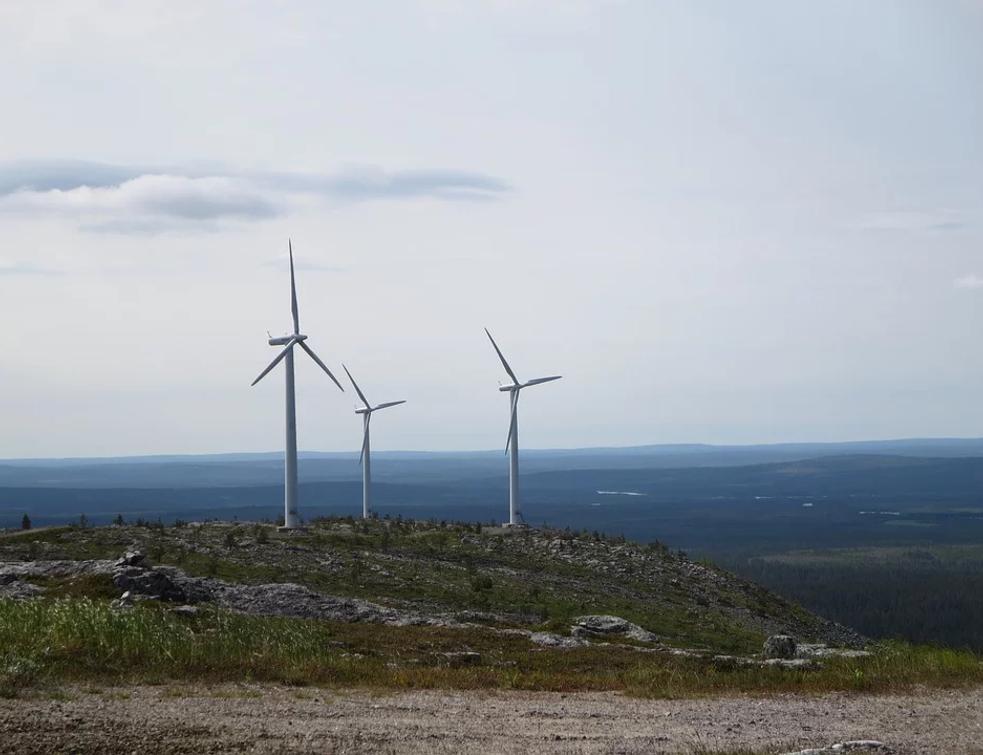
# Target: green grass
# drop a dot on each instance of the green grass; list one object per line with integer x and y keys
{"x": 84, "y": 640}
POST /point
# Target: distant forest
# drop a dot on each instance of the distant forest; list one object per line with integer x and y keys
{"x": 918, "y": 597}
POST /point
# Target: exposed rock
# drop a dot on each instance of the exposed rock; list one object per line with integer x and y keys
{"x": 731, "y": 662}
{"x": 56, "y": 569}
{"x": 288, "y": 599}
{"x": 11, "y": 587}
{"x": 819, "y": 650}
{"x": 461, "y": 658}
{"x": 608, "y": 626}
{"x": 856, "y": 745}
{"x": 131, "y": 558}
{"x": 156, "y": 583}
{"x": 186, "y": 610}
{"x": 603, "y": 624}
{"x": 550, "y": 640}
{"x": 779, "y": 646}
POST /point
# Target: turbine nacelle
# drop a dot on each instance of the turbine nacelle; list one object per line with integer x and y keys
{"x": 284, "y": 340}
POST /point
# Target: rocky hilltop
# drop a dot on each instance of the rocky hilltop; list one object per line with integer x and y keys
{"x": 558, "y": 587}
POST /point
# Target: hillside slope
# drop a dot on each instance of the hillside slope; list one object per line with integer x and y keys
{"x": 519, "y": 577}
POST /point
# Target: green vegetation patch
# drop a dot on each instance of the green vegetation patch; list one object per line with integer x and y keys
{"x": 85, "y": 640}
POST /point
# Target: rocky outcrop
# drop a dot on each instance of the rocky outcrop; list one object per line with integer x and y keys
{"x": 550, "y": 640}
{"x": 18, "y": 589}
{"x": 779, "y": 646}
{"x": 607, "y": 626}
{"x": 55, "y": 569}
{"x": 819, "y": 650}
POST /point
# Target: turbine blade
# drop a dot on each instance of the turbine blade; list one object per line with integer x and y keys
{"x": 502, "y": 357}
{"x": 293, "y": 291}
{"x": 537, "y": 381}
{"x": 275, "y": 362}
{"x": 357, "y": 389}
{"x": 320, "y": 364}
{"x": 388, "y": 404}
{"x": 515, "y": 407}
{"x": 365, "y": 439}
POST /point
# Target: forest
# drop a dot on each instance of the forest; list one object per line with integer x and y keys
{"x": 924, "y": 594}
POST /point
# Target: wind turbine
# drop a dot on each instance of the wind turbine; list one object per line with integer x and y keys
{"x": 290, "y": 451}
{"x": 512, "y": 444}
{"x": 365, "y": 458}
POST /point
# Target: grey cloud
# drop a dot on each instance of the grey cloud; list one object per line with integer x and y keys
{"x": 62, "y": 175}
{"x": 374, "y": 183}
{"x": 113, "y": 197}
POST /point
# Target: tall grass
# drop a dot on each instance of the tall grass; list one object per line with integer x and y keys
{"x": 80, "y": 638}
{"x": 85, "y": 639}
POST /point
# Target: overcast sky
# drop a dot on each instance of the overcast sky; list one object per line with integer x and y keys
{"x": 721, "y": 222}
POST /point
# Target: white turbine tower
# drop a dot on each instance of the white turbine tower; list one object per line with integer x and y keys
{"x": 365, "y": 458}
{"x": 288, "y": 342}
{"x": 512, "y": 444}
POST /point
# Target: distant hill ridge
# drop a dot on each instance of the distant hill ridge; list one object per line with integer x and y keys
{"x": 902, "y": 446}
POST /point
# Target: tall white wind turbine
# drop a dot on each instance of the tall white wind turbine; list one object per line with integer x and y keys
{"x": 365, "y": 458}
{"x": 512, "y": 444}
{"x": 290, "y": 519}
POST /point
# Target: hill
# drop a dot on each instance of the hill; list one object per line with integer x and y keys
{"x": 498, "y": 576}
{"x": 388, "y": 602}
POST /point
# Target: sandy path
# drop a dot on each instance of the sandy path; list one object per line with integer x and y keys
{"x": 266, "y": 719}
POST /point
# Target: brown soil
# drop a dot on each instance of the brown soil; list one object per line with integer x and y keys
{"x": 266, "y": 719}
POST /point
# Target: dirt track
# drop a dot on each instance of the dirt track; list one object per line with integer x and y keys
{"x": 266, "y": 719}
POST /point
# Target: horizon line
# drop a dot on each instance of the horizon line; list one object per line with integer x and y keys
{"x": 462, "y": 452}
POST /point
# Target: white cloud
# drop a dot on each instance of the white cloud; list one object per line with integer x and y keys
{"x": 134, "y": 199}
{"x": 972, "y": 280}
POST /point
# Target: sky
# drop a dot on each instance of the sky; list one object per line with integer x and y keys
{"x": 720, "y": 222}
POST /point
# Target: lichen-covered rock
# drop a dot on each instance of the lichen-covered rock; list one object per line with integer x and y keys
{"x": 780, "y": 646}
{"x": 131, "y": 558}
{"x": 603, "y": 624}
{"x": 820, "y": 650}
{"x": 609, "y": 626}
{"x": 150, "y": 582}
{"x": 551, "y": 640}
{"x": 11, "y": 587}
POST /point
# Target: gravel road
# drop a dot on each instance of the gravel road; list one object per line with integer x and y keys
{"x": 267, "y": 719}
